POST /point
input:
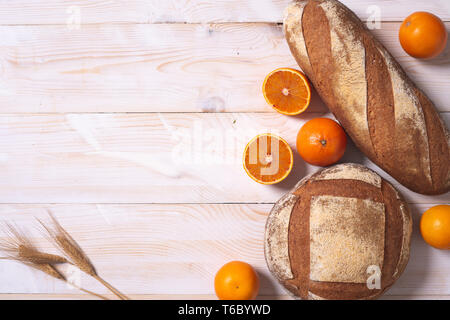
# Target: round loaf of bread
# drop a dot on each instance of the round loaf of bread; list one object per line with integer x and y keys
{"x": 341, "y": 233}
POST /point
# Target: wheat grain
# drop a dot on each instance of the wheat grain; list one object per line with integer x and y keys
{"x": 75, "y": 253}
{"x": 69, "y": 247}
{"x": 38, "y": 257}
{"x": 48, "y": 269}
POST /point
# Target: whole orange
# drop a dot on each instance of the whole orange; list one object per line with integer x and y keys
{"x": 321, "y": 142}
{"x": 236, "y": 280}
{"x": 435, "y": 227}
{"x": 423, "y": 35}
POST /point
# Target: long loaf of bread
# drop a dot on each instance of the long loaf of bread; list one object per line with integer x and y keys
{"x": 392, "y": 121}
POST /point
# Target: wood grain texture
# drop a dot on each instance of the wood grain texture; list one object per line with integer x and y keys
{"x": 177, "y": 249}
{"x": 130, "y": 56}
{"x": 164, "y": 68}
{"x": 157, "y": 11}
{"x": 147, "y": 158}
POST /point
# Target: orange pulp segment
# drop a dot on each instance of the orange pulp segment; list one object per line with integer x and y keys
{"x": 287, "y": 90}
{"x": 268, "y": 159}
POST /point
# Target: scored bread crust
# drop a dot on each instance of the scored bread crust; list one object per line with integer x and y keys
{"x": 280, "y": 235}
{"x": 382, "y": 110}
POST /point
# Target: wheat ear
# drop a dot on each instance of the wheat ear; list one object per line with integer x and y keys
{"x": 18, "y": 247}
{"x": 75, "y": 254}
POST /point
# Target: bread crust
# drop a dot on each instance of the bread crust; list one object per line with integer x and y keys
{"x": 386, "y": 115}
{"x": 352, "y": 241}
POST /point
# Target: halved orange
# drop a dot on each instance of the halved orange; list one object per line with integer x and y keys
{"x": 268, "y": 159}
{"x": 287, "y": 90}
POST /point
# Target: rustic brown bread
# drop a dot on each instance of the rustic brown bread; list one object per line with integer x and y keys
{"x": 322, "y": 237}
{"x": 382, "y": 110}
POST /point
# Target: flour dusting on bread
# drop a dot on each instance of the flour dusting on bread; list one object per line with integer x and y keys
{"x": 409, "y": 117}
{"x": 350, "y": 171}
{"x": 276, "y": 249}
{"x": 293, "y": 29}
{"x": 347, "y": 236}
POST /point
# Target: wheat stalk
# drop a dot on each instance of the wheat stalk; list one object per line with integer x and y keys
{"x": 18, "y": 247}
{"x": 75, "y": 254}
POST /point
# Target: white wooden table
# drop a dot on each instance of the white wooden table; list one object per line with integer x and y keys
{"x": 130, "y": 125}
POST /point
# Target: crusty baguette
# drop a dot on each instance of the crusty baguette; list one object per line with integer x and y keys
{"x": 323, "y": 237}
{"x": 382, "y": 110}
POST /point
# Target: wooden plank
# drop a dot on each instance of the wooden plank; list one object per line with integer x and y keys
{"x": 147, "y": 158}
{"x": 157, "y": 11}
{"x": 164, "y": 68}
{"x": 176, "y": 249}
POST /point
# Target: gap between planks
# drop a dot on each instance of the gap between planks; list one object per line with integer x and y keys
{"x": 210, "y": 23}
